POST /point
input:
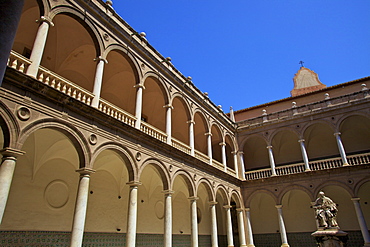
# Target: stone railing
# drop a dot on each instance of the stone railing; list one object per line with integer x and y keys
{"x": 230, "y": 171}
{"x": 217, "y": 164}
{"x": 18, "y": 62}
{"x": 65, "y": 86}
{"x": 305, "y": 109}
{"x": 358, "y": 159}
{"x": 181, "y": 146}
{"x": 201, "y": 156}
{"x": 153, "y": 132}
{"x": 116, "y": 112}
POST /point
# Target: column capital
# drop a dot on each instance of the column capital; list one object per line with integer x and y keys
{"x": 240, "y": 152}
{"x": 247, "y": 209}
{"x": 85, "y": 171}
{"x": 355, "y": 199}
{"x": 278, "y": 206}
{"x": 212, "y": 203}
{"x": 139, "y": 86}
{"x": 208, "y": 134}
{"x": 234, "y": 152}
{"x": 337, "y": 134}
{"x": 168, "y": 192}
{"x": 227, "y": 207}
{"x": 45, "y": 19}
{"x": 193, "y": 198}
{"x": 11, "y": 152}
{"x": 222, "y": 144}
{"x": 190, "y": 122}
{"x": 100, "y": 58}
{"x": 269, "y": 147}
{"x": 133, "y": 183}
{"x": 240, "y": 209}
{"x": 168, "y": 106}
{"x": 301, "y": 140}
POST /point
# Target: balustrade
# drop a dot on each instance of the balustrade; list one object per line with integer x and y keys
{"x": 181, "y": 146}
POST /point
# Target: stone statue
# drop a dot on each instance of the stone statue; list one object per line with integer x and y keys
{"x": 326, "y": 211}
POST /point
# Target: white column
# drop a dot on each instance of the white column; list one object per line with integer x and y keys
{"x": 304, "y": 155}
{"x": 132, "y": 215}
{"x": 39, "y": 45}
{"x": 341, "y": 149}
{"x": 284, "y": 239}
{"x": 272, "y": 161}
{"x": 242, "y": 167}
{"x": 229, "y": 226}
{"x": 169, "y": 123}
{"x": 240, "y": 218}
{"x": 6, "y": 175}
{"x": 139, "y": 104}
{"x": 81, "y": 207}
{"x": 168, "y": 218}
{"x": 250, "y": 242}
{"x": 223, "y": 153}
{"x": 214, "y": 238}
{"x": 209, "y": 146}
{"x": 191, "y": 137}
{"x": 194, "y": 221}
{"x": 236, "y": 165}
{"x": 98, "y": 80}
{"x": 361, "y": 221}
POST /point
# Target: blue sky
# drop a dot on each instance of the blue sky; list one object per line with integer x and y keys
{"x": 246, "y": 52}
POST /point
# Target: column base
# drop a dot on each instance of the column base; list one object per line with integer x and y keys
{"x": 345, "y": 164}
{"x": 285, "y": 245}
{"x": 307, "y": 170}
{"x": 251, "y": 245}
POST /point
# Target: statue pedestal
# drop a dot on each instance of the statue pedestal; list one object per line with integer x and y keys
{"x": 330, "y": 237}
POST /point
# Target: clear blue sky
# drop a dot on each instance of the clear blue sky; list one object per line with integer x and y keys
{"x": 246, "y": 52}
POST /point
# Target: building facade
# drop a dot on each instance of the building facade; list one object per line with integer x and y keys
{"x": 106, "y": 143}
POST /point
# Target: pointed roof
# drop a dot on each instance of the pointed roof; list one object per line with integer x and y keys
{"x": 305, "y": 81}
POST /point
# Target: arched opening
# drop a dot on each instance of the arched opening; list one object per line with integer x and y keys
{"x": 180, "y": 118}
{"x": 154, "y": 101}
{"x": 221, "y": 200}
{"x": 119, "y": 80}
{"x": 204, "y": 215}
{"x": 229, "y": 152}
{"x": 108, "y": 198}
{"x": 200, "y": 129}
{"x": 216, "y": 141}
{"x": 355, "y": 134}
{"x": 286, "y": 148}
{"x": 320, "y": 142}
{"x": 255, "y": 153}
{"x": 44, "y": 186}
{"x": 27, "y": 28}
{"x": 364, "y": 196}
{"x": 70, "y": 51}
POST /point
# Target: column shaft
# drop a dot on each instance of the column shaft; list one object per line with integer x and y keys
{"x": 38, "y": 47}
{"x": 241, "y": 157}
{"x": 6, "y": 176}
{"x": 304, "y": 155}
{"x": 168, "y": 218}
{"x": 81, "y": 207}
{"x": 284, "y": 239}
{"x": 194, "y": 222}
{"x": 169, "y": 123}
{"x": 250, "y": 242}
{"x": 272, "y": 161}
{"x": 361, "y": 221}
{"x": 241, "y": 227}
{"x": 132, "y": 216}
{"x": 98, "y": 81}
{"x": 139, "y": 105}
{"x": 341, "y": 149}
{"x": 236, "y": 166}
{"x": 191, "y": 137}
{"x": 223, "y": 153}
{"x": 229, "y": 227}
{"x": 209, "y": 145}
{"x": 214, "y": 225}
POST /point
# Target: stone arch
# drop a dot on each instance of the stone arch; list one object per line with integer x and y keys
{"x": 255, "y": 152}
{"x": 122, "y": 152}
{"x": 223, "y": 192}
{"x": 120, "y": 76}
{"x": 332, "y": 183}
{"x": 205, "y": 195}
{"x": 74, "y": 135}
{"x": 235, "y": 195}
{"x": 355, "y": 133}
{"x": 358, "y": 185}
{"x": 208, "y": 186}
{"x": 230, "y": 151}
{"x": 9, "y": 127}
{"x": 180, "y": 119}
{"x": 223, "y": 200}
{"x": 294, "y": 187}
{"x": 187, "y": 179}
{"x": 254, "y": 193}
{"x": 364, "y": 195}
{"x": 286, "y": 147}
{"x": 160, "y": 168}
{"x": 200, "y": 129}
{"x": 217, "y": 139}
{"x": 320, "y": 140}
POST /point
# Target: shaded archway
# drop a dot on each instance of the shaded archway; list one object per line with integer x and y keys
{"x": 355, "y": 134}
{"x": 222, "y": 200}
{"x": 180, "y": 120}
{"x": 286, "y": 148}
{"x": 230, "y": 149}
{"x": 200, "y": 129}
{"x": 216, "y": 141}
{"x": 255, "y": 153}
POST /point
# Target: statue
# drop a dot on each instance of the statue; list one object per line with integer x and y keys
{"x": 326, "y": 211}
